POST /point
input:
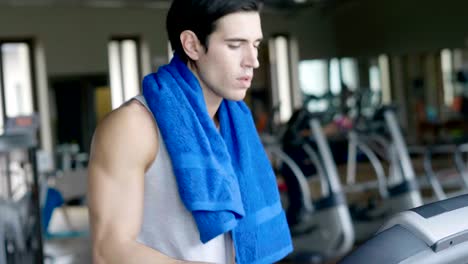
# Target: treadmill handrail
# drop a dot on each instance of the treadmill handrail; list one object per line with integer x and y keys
{"x": 356, "y": 143}
{"x": 324, "y": 185}
{"x": 432, "y": 175}
{"x": 327, "y": 158}
{"x": 302, "y": 180}
{"x": 399, "y": 142}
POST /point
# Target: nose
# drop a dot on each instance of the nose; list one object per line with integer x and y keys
{"x": 251, "y": 58}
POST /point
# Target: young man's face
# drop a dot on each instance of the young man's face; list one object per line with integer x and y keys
{"x": 226, "y": 69}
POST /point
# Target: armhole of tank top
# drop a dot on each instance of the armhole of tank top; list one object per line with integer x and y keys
{"x": 141, "y": 100}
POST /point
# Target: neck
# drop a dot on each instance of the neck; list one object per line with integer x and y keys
{"x": 212, "y": 100}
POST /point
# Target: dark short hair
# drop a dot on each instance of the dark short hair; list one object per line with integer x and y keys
{"x": 200, "y": 16}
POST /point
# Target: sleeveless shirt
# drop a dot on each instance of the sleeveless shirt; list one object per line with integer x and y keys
{"x": 167, "y": 226}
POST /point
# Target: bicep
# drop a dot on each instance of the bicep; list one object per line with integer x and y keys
{"x": 116, "y": 200}
{"x": 122, "y": 148}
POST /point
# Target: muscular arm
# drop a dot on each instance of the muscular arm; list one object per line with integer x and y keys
{"x": 124, "y": 145}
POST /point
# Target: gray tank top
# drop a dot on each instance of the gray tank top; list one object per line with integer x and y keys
{"x": 167, "y": 225}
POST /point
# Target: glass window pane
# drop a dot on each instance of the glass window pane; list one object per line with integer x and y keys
{"x": 170, "y": 53}
{"x": 447, "y": 73}
{"x": 350, "y": 73}
{"x": 124, "y": 70}
{"x": 115, "y": 74}
{"x": 384, "y": 69}
{"x": 130, "y": 68}
{"x": 335, "y": 80}
{"x": 280, "y": 76}
{"x": 17, "y": 79}
{"x": 283, "y": 78}
{"x": 374, "y": 78}
{"x": 313, "y": 77}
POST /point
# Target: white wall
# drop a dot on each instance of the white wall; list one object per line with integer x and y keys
{"x": 75, "y": 38}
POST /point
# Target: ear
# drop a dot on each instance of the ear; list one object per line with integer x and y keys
{"x": 191, "y": 44}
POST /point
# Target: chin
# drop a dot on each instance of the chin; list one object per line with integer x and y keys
{"x": 238, "y": 96}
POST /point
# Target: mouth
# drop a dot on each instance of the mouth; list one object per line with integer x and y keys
{"x": 245, "y": 81}
{"x": 245, "y": 78}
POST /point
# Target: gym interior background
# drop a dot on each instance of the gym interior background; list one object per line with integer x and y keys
{"x": 61, "y": 65}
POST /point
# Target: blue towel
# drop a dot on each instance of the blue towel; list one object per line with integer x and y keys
{"x": 224, "y": 177}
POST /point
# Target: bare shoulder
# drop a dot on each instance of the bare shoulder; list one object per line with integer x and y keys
{"x": 124, "y": 145}
{"x": 127, "y": 133}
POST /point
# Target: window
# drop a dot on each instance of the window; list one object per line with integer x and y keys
{"x": 374, "y": 78}
{"x": 447, "y": 76}
{"x": 170, "y": 52}
{"x": 384, "y": 72}
{"x": 349, "y": 73}
{"x": 313, "y": 77}
{"x": 124, "y": 68}
{"x": 16, "y": 80}
{"x": 281, "y": 78}
{"x": 335, "y": 79}
{"x": 16, "y": 99}
{"x": 343, "y": 71}
{"x": 379, "y": 78}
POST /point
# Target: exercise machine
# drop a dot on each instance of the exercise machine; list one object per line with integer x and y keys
{"x": 20, "y": 218}
{"x": 321, "y": 228}
{"x": 398, "y": 189}
{"x": 432, "y": 234}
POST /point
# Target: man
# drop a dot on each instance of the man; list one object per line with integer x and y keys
{"x": 139, "y": 207}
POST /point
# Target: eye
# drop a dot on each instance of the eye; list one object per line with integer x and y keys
{"x": 233, "y": 46}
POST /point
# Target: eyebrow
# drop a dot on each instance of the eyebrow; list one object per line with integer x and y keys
{"x": 241, "y": 40}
